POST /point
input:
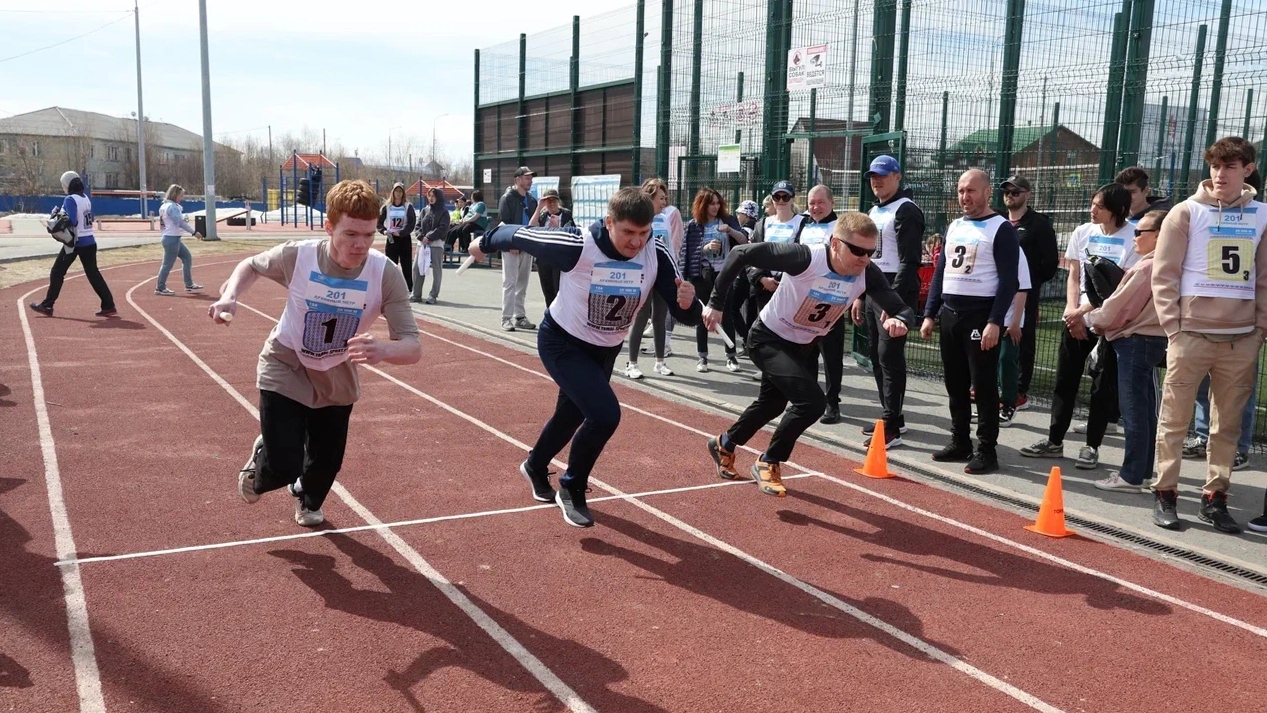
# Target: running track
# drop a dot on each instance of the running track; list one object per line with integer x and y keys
{"x": 850, "y": 594}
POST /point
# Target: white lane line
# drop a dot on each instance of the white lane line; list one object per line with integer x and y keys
{"x": 82, "y": 653}
{"x": 393, "y": 525}
{"x": 1160, "y": 596}
{"x": 913, "y": 641}
{"x": 531, "y": 663}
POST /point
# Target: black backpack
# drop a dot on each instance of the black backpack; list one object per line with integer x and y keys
{"x": 60, "y": 228}
{"x": 1103, "y": 277}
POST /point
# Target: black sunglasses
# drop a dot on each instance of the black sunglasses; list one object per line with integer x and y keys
{"x": 782, "y": 198}
{"x": 1139, "y": 232}
{"x": 1014, "y": 193}
{"x": 857, "y": 251}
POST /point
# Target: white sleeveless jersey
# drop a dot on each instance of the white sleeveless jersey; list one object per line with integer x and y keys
{"x": 397, "y": 217}
{"x": 816, "y": 233}
{"x": 323, "y": 312}
{"x": 884, "y": 217}
{"x": 1025, "y": 283}
{"x": 1221, "y": 248}
{"x": 599, "y": 297}
{"x": 660, "y": 229}
{"x": 777, "y": 232}
{"x": 83, "y": 216}
{"x": 970, "y": 268}
{"x": 806, "y": 306}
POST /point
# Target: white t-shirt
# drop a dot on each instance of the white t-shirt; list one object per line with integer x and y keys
{"x": 1091, "y": 238}
{"x": 1025, "y": 284}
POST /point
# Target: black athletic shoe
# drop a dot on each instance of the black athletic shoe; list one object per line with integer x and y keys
{"x": 112, "y": 312}
{"x": 540, "y": 482}
{"x": 42, "y": 308}
{"x": 1164, "y": 510}
{"x": 984, "y": 461}
{"x": 869, "y": 429}
{"x": 954, "y": 451}
{"x": 1214, "y": 511}
{"x": 831, "y": 415}
{"x": 572, "y": 502}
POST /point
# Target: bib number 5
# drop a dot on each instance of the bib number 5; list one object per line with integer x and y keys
{"x": 1227, "y": 260}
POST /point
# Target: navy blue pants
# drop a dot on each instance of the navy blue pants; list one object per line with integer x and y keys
{"x": 587, "y": 412}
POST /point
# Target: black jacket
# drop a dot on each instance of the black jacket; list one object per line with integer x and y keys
{"x": 1154, "y": 203}
{"x": 510, "y": 208}
{"x": 411, "y": 219}
{"x": 565, "y": 219}
{"x": 1038, "y": 242}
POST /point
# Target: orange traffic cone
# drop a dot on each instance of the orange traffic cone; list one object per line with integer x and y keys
{"x": 877, "y": 463}
{"x": 1051, "y": 514}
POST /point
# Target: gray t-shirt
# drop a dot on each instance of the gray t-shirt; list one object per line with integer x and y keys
{"x": 279, "y": 368}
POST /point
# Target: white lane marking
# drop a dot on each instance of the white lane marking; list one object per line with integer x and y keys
{"x": 913, "y": 641}
{"x": 394, "y": 525}
{"x": 1160, "y": 596}
{"x": 82, "y": 653}
{"x": 525, "y": 658}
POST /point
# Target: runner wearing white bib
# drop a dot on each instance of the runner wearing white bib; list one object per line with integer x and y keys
{"x": 608, "y": 273}
{"x": 1210, "y": 289}
{"x": 1110, "y": 236}
{"x": 899, "y": 256}
{"x": 818, "y": 285}
{"x": 976, "y": 281}
{"x": 337, "y": 287}
{"x": 79, "y": 208}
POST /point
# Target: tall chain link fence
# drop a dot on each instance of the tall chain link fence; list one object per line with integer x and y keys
{"x": 1064, "y": 93}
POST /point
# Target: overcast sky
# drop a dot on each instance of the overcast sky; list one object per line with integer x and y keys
{"x": 359, "y": 71}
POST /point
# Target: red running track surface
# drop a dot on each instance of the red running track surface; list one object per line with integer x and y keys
{"x": 667, "y": 605}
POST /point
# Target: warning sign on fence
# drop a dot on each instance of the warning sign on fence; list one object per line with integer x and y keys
{"x": 807, "y": 67}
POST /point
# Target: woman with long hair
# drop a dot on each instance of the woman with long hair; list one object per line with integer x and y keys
{"x": 174, "y": 228}
{"x": 431, "y": 233}
{"x": 710, "y": 234}
{"x": 666, "y": 227}
{"x": 396, "y": 220}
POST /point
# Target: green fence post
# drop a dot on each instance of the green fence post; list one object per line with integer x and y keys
{"x": 1136, "y": 83}
{"x": 664, "y": 90}
{"x": 521, "y": 144}
{"x": 1249, "y": 107}
{"x": 738, "y": 135}
{"x": 940, "y": 216}
{"x": 768, "y": 134}
{"x": 1216, "y": 89}
{"x": 1189, "y": 134}
{"x": 574, "y": 85}
{"x": 785, "y": 40}
{"x": 1007, "y": 92}
{"x": 639, "y": 32}
{"x": 813, "y": 126}
{"x": 883, "y": 25}
{"x": 1113, "y": 100}
{"x": 1055, "y": 140}
{"x": 899, "y": 102}
{"x": 697, "y": 49}
{"x": 479, "y": 144}
{"x": 1161, "y": 137}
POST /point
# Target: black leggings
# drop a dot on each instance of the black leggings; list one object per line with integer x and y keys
{"x": 703, "y": 290}
{"x": 789, "y": 373}
{"x": 1070, "y": 361}
{"x": 87, "y": 255}
{"x": 586, "y": 412}
{"x": 400, "y": 251}
{"x": 301, "y": 442}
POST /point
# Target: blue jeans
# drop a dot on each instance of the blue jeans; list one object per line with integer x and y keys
{"x": 1139, "y": 398}
{"x": 1247, "y": 416}
{"x": 173, "y": 248}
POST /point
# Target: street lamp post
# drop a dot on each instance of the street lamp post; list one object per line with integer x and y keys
{"x": 433, "y": 135}
{"x": 140, "y": 113}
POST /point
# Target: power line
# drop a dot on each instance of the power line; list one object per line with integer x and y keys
{"x": 72, "y": 39}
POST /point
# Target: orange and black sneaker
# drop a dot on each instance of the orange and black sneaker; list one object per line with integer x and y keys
{"x": 724, "y": 459}
{"x": 769, "y": 478}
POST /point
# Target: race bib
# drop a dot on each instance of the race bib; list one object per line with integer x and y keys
{"x": 396, "y": 218}
{"x": 1230, "y": 250}
{"x": 335, "y": 306}
{"x": 1107, "y": 247}
{"x": 615, "y": 292}
{"x": 660, "y": 228}
{"x": 778, "y": 232}
{"x": 815, "y": 233}
{"x": 961, "y": 255}
{"x": 825, "y": 302}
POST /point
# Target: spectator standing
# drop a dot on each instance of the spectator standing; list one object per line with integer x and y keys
{"x": 174, "y": 228}
{"x": 431, "y": 233}
{"x": 666, "y": 227}
{"x": 551, "y": 214}
{"x": 1038, "y": 242}
{"x": 710, "y": 234}
{"x": 397, "y": 220}
{"x": 1135, "y": 180}
{"x": 516, "y": 207}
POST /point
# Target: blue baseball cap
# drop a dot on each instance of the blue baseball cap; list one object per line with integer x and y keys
{"x": 882, "y": 166}
{"x": 783, "y": 187}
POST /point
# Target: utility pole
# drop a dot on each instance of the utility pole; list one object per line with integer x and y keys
{"x": 140, "y": 113}
{"x": 208, "y": 144}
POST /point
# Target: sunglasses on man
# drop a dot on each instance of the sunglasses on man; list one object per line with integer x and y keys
{"x": 857, "y": 251}
{"x": 1013, "y": 194}
{"x": 1139, "y": 232}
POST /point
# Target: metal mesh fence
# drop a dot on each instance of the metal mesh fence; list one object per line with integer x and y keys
{"x": 1092, "y": 86}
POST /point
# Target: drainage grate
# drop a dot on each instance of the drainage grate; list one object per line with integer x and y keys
{"x": 1196, "y": 558}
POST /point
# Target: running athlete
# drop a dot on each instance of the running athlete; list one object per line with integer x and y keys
{"x": 609, "y": 272}
{"x": 818, "y": 285}
{"x": 307, "y": 377}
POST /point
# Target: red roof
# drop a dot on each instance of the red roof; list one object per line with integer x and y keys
{"x": 451, "y": 192}
{"x": 307, "y": 160}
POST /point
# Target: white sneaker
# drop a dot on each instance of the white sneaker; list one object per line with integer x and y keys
{"x": 663, "y": 369}
{"x": 732, "y": 365}
{"x": 1081, "y": 427}
{"x": 1114, "y": 483}
{"x": 308, "y": 518}
{"x": 648, "y": 332}
{"x": 246, "y": 477}
{"x": 649, "y": 350}
{"x": 702, "y": 365}
{"x": 632, "y": 371}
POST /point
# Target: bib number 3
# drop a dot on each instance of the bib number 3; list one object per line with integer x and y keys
{"x": 960, "y": 257}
